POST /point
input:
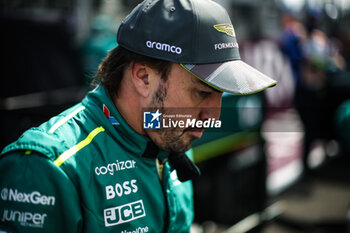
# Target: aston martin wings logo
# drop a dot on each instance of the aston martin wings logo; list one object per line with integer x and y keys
{"x": 225, "y": 28}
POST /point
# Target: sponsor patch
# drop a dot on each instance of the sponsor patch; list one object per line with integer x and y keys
{"x": 137, "y": 230}
{"x": 111, "y": 168}
{"x": 124, "y": 213}
{"x": 230, "y": 45}
{"x": 163, "y": 47}
{"x": 26, "y": 219}
{"x": 34, "y": 197}
{"x": 108, "y": 115}
{"x": 120, "y": 189}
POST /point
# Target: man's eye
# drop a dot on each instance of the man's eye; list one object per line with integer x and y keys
{"x": 204, "y": 93}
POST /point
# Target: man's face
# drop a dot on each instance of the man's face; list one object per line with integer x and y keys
{"x": 182, "y": 93}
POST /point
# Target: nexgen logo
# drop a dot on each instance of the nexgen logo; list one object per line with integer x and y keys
{"x": 124, "y": 213}
{"x": 34, "y": 197}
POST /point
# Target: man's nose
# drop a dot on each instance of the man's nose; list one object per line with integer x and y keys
{"x": 211, "y": 108}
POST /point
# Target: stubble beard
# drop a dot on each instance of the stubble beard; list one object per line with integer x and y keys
{"x": 169, "y": 139}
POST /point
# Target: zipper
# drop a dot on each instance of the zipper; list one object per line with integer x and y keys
{"x": 160, "y": 168}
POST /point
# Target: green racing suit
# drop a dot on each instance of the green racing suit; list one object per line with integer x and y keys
{"x": 87, "y": 170}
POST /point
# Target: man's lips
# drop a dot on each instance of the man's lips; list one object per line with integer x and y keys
{"x": 196, "y": 132}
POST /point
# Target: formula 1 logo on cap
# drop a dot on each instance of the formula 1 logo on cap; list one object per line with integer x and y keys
{"x": 226, "y": 28}
{"x": 151, "y": 120}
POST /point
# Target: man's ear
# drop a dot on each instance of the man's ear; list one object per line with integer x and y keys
{"x": 140, "y": 78}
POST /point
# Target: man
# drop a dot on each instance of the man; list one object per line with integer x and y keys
{"x": 95, "y": 167}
